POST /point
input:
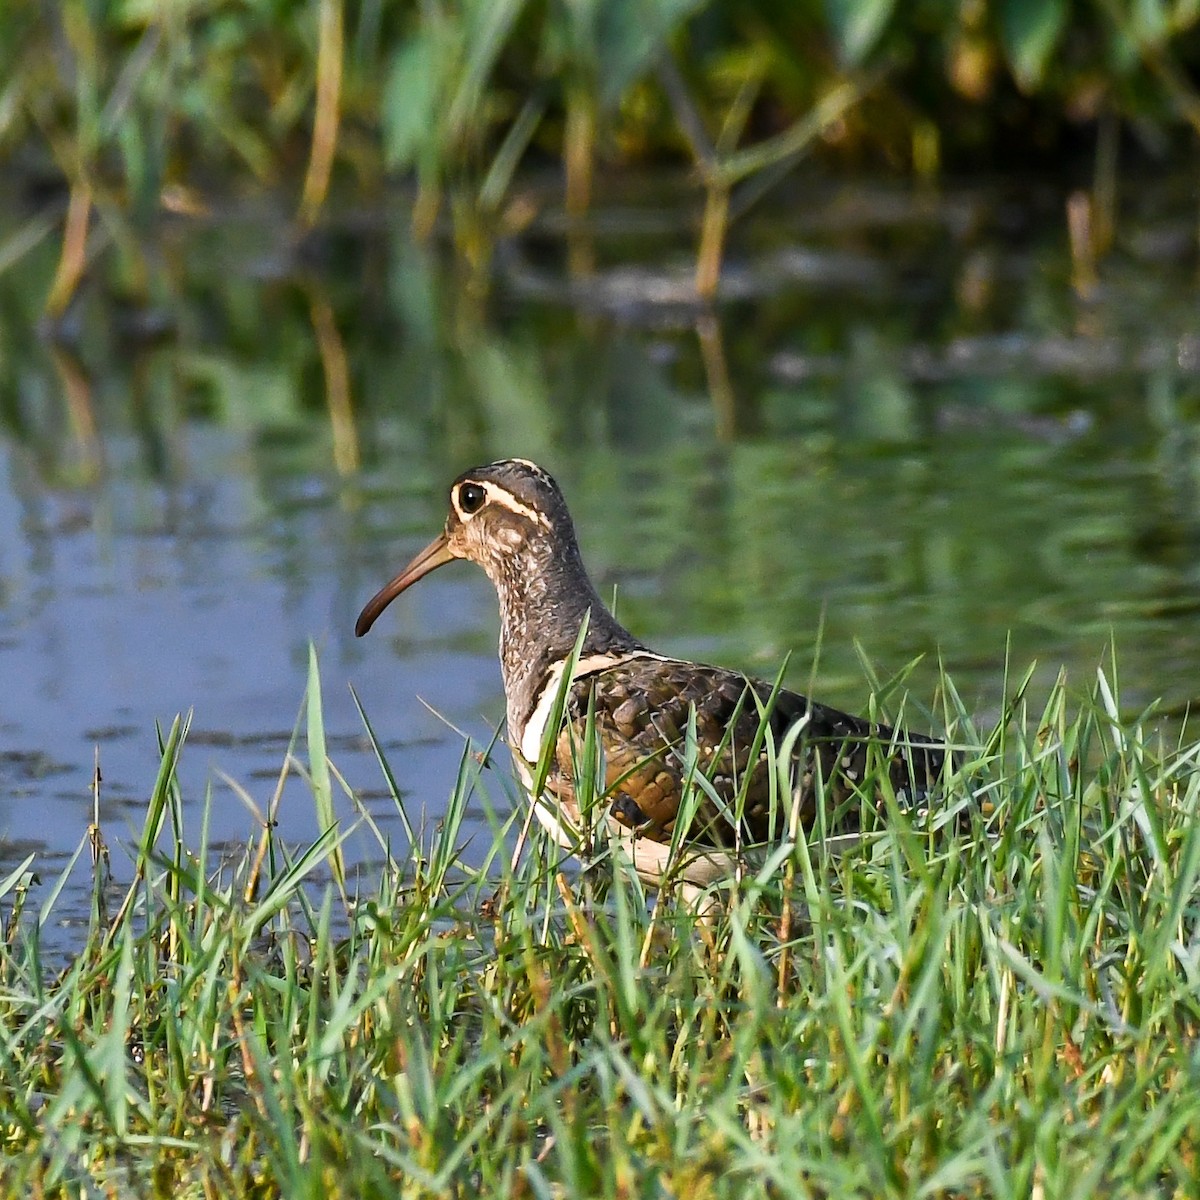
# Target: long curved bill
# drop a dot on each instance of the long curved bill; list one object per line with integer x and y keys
{"x": 435, "y": 555}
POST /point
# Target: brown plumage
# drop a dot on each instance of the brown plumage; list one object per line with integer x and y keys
{"x": 510, "y": 517}
{"x": 641, "y": 710}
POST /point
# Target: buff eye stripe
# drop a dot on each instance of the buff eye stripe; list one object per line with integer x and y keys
{"x": 502, "y": 497}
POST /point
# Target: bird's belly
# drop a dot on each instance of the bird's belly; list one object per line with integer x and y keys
{"x": 549, "y": 812}
{"x": 650, "y": 859}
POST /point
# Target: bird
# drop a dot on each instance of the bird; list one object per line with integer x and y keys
{"x": 660, "y": 721}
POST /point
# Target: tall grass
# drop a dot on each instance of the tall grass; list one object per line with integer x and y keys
{"x": 1004, "y": 1003}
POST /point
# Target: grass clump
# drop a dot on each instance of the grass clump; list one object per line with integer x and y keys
{"x": 1004, "y": 1002}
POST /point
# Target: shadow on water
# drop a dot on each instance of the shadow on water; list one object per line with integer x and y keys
{"x": 899, "y": 425}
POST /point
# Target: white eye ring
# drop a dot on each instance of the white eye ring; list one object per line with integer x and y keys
{"x": 471, "y": 498}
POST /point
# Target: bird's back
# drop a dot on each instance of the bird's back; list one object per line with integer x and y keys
{"x": 641, "y": 709}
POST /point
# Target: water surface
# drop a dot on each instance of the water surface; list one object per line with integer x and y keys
{"x": 901, "y": 427}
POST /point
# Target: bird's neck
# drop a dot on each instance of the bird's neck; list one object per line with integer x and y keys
{"x": 545, "y": 596}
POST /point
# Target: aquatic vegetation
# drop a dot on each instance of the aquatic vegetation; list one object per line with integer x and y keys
{"x": 131, "y": 107}
{"x": 1000, "y": 1000}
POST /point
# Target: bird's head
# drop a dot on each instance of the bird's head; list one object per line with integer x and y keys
{"x": 502, "y": 516}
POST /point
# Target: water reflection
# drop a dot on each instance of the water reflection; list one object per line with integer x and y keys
{"x": 903, "y": 431}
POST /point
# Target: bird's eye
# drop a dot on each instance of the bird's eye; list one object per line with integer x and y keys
{"x": 471, "y": 497}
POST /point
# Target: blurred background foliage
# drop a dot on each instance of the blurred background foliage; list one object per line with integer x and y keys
{"x": 120, "y": 107}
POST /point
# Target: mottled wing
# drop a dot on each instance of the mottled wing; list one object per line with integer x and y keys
{"x": 641, "y": 710}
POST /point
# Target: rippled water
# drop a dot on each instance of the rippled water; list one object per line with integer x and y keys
{"x": 900, "y": 426}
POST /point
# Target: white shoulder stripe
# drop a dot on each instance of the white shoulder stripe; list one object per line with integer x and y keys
{"x": 535, "y": 727}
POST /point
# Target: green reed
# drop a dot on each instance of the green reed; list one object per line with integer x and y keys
{"x": 1001, "y": 999}
{"x": 137, "y": 106}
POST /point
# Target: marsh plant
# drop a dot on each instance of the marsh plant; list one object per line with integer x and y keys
{"x": 131, "y": 108}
